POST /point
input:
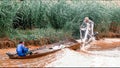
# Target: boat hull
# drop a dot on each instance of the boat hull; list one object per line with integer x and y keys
{"x": 72, "y": 44}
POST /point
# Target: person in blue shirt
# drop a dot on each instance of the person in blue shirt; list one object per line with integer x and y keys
{"x": 21, "y": 49}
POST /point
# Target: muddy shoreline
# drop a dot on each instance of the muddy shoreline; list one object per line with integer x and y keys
{"x": 7, "y": 43}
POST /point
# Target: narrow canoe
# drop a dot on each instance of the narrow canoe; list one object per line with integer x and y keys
{"x": 72, "y": 44}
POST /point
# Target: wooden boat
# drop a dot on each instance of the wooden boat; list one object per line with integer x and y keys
{"x": 72, "y": 44}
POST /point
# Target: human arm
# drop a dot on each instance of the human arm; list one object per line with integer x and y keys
{"x": 92, "y": 28}
{"x": 25, "y": 49}
{"x": 83, "y": 26}
{"x": 86, "y": 31}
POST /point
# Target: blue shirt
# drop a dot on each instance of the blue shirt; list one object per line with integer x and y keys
{"x": 21, "y": 50}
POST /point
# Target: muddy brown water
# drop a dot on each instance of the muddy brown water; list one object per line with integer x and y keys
{"x": 100, "y": 46}
{"x": 34, "y": 62}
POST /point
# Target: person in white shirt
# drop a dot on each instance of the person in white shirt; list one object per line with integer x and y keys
{"x": 86, "y": 30}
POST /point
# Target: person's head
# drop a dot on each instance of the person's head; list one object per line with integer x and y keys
{"x": 86, "y": 19}
{"x": 21, "y": 42}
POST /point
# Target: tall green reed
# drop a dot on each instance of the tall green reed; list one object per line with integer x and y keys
{"x": 7, "y": 11}
{"x": 58, "y": 14}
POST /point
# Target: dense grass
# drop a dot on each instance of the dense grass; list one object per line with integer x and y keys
{"x": 31, "y": 14}
{"x": 49, "y": 33}
{"x": 59, "y": 14}
{"x": 7, "y": 11}
{"x": 54, "y": 17}
{"x": 115, "y": 15}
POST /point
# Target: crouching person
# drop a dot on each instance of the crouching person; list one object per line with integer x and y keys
{"x": 86, "y": 32}
{"x": 22, "y": 50}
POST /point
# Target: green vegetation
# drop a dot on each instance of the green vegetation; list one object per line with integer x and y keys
{"x": 115, "y": 15}
{"x": 53, "y": 19}
{"x": 7, "y": 12}
{"x": 49, "y": 33}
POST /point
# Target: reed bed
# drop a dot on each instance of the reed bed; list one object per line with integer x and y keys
{"x": 54, "y": 17}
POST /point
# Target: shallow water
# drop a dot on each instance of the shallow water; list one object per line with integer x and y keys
{"x": 91, "y": 59}
{"x": 66, "y": 58}
{"x": 34, "y": 62}
{"x": 107, "y": 57}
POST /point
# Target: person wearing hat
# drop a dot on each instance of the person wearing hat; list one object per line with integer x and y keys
{"x": 22, "y": 50}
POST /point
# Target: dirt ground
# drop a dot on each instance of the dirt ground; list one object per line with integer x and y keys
{"x": 101, "y": 53}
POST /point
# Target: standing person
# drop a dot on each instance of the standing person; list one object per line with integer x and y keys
{"x": 22, "y": 50}
{"x": 86, "y": 30}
